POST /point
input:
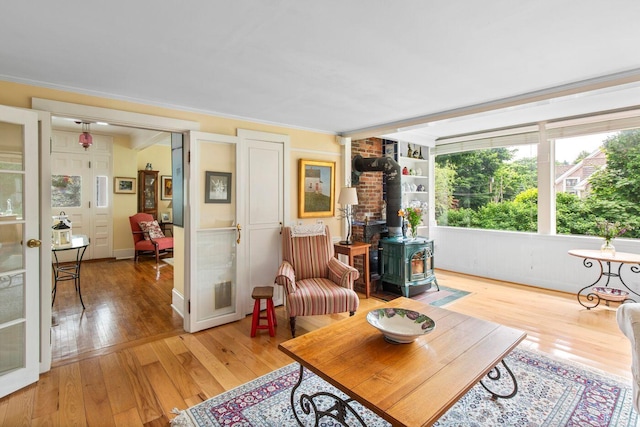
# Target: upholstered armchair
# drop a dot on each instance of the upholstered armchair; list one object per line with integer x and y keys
{"x": 147, "y": 236}
{"x": 628, "y": 316}
{"x": 315, "y": 282}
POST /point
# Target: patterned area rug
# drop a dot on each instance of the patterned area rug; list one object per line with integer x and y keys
{"x": 433, "y": 296}
{"x": 550, "y": 393}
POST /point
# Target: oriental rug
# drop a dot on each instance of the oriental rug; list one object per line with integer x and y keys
{"x": 550, "y": 393}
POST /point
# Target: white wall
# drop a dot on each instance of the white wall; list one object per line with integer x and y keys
{"x": 525, "y": 258}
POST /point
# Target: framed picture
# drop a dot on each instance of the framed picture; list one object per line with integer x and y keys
{"x": 124, "y": 185}
{"x": 165, "y": 217}
{"x": 166, "y": 184}
{"x": 316, "y": 189}
{"x": 217, "y": 187}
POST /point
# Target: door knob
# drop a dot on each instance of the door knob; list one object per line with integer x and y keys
{"x": 34, "y": 243}
{"x": 239, "y": 228}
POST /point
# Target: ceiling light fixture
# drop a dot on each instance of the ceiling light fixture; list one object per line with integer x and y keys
{"x": 85, "y": 139}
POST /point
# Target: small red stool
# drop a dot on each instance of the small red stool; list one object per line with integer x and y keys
{"x": 259, "y": 293}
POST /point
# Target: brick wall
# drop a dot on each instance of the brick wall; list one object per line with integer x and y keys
{"x": 369, "y": 192}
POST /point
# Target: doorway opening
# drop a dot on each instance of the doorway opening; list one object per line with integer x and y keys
{"x": 127, "y": 301}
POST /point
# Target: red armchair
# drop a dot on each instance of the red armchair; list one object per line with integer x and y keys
{"x": 148, "y": 241}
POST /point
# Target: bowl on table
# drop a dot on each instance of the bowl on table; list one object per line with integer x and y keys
{"x": 400, "y": 325}
{"x": 611, "y": 294}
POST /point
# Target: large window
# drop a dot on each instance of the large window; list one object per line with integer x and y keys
{"x": 493, "y": 188}
{"x": 594, "y": 178}
{"x": 597, "y": 180}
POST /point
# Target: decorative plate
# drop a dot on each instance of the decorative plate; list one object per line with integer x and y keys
{"x": 399, "y": 325}
{"x": 611, "y": 294}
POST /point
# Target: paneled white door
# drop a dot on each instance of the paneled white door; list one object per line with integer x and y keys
{"x": 266, "y": 199}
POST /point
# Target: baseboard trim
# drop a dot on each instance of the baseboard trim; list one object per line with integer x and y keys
{"x": 177, "y": 302}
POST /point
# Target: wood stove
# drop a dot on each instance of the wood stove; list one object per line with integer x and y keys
{"x": 407, "y": 265}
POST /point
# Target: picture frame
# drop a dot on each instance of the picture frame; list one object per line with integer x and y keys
{"x": 217, "y": 187}
{"x": 316, "y": 188}
{"x": 165, "y": 216}
{"x": 166, "y": 187}
{"x": 123, "y": 185}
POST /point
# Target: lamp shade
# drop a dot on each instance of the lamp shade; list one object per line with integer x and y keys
{"x": 348, "y": 196}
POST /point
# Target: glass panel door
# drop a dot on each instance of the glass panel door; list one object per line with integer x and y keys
{"x": 19, "y": 256}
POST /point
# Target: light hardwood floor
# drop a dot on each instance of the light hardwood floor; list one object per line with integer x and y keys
{"x": 138, "y": 378}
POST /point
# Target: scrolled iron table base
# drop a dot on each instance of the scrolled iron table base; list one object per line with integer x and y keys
{"x": 496, "y": 375}
{"x": 341, "y": 410}
{"x": 592, "y": 298}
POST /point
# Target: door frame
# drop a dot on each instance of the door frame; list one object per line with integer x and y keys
{"x": 45, "y": 109}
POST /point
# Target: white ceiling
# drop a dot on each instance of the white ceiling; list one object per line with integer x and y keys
{"x": 336, "y": 66}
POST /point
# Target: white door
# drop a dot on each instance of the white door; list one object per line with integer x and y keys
{"x": 19, "y": 253}
{"x": 212, "y": 294}
{"x": 266, "y": 200}
{"x": 80, "y": 187}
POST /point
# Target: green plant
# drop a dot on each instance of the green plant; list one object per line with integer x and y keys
{"x": 610, "y": 230}
{"x": 413, "y": 216}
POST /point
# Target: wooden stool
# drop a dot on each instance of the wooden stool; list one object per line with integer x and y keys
{"x": 259, "y": 293}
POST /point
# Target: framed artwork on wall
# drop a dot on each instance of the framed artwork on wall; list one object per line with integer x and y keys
{"x": 166, "y": 186}
{"x": 124, "y": 185}
{"x": 316, "y": 189}
{"x": 217, "y": 187}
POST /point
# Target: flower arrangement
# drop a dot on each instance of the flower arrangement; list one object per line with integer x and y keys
{"x": 610, "y": 230}
{"x": 413, "y": 215}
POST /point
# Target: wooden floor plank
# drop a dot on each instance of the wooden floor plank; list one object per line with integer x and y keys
{"x": 47, "y": 397}
{"x": 147, "y": 401}
{"x": 72, "y": 407}
{"x": 119, "y": 390}
{"x": 19, "y": 408}
{"x": 165, "y": 389}
{"x": 96, "y": 400}
{"x": 179, "y": 377}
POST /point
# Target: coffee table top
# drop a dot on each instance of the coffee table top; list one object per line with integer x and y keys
{"x": 407, "y": 384}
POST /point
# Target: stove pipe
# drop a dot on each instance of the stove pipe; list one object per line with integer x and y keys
{"x": 392, "y": 177}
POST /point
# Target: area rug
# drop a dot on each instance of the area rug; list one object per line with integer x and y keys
{"x": 167, "y": 260}
{"x": 550, "y": 393}
{"x": 433, "y": 296}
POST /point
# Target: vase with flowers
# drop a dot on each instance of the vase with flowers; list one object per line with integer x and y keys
{"x": 609, "y": 231}
{"x": 413, "y": 215}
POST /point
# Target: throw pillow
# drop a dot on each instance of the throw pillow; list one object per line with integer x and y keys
{"x": 151, "y": 229}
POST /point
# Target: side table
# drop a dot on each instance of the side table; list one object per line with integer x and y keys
{"x": 70, "y": 271}
{"x": 355, "y": 249}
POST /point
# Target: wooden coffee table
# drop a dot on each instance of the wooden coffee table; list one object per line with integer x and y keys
{"x": 406, "y": 384}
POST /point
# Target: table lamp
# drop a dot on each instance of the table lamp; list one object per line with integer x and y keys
{"x": 348, "y": 198}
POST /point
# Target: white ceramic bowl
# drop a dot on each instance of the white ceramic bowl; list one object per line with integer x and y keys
{"x": 400, "y": 325}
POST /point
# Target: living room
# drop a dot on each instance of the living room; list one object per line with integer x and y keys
{"x": 539, "y": 259}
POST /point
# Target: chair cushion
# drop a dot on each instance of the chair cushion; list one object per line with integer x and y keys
{"x": 151, "y": 229}
{"x": 147, "y": 245}
{"x": 320, "y": 296}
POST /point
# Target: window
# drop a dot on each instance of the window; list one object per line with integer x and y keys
{"x": 493, "y": 188}
{"x": 598, "y": 179}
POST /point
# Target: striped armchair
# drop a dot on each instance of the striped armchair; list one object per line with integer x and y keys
{"x": 314, "y": 281}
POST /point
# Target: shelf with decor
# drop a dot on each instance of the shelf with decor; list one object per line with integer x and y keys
{"x": 415, "y": 179}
